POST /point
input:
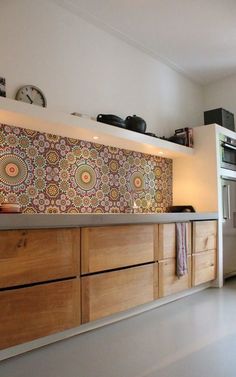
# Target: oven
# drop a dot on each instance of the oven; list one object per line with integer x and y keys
{"x": 228, "y": 153}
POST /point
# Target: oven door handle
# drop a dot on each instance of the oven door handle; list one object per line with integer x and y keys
{"x": 226, "y": 202}
{"x": 227, "y": 145}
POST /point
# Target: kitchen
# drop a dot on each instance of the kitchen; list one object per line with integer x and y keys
{"x": 169, "y": 114}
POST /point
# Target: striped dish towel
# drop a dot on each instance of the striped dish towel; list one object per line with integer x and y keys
{"x": 181, "y": 249}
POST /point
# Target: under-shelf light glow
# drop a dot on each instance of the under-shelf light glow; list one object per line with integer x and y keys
{"x": 95, "y": 137}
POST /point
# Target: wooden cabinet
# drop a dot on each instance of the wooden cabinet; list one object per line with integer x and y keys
{"x": 111, "y": 247}
{"x": 169, "y": 283}
{"x": 33, "y": 256}
{"x": 204, "y": 236}
{"x": 111, "y": 292}
{"x": 204, "y": 267}
{"x": 204, "y": 258}
{"x": 167, "y": 241}
{"x": 29, "y": 256}
{"x": 121, "y": 266}
{"x": 33, "y": 312}
{"x": 116, "y": 247}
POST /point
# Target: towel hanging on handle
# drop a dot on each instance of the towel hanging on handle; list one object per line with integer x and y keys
{"x": 181, "y": 249}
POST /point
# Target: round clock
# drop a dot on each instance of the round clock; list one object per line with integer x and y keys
{"x": 31, "y": 94}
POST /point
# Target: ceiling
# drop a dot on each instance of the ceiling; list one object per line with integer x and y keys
{"x": 195, "y": 37}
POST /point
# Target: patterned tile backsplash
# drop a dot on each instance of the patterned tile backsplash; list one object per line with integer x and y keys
{"x": 46, "y": 173}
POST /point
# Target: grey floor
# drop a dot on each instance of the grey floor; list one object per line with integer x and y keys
{"x": 195, "y": 336}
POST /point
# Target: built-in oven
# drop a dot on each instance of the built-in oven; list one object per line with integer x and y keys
{"x": 228, "y": 153}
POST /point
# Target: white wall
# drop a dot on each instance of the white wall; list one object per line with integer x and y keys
{"x": 221, "y": 93}
{"x": 82, "y": 68}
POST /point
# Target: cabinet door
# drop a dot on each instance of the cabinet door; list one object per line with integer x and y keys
{"x": 111, "y": 247}
{"x": 167, "y": 240}
{"x": 204, "y": 267}
{"x": 204, "y": 236}
{"x": 169, "y": 283}
{"x": 28, "y": 256}
{"x": 112, "y": 292}
{"x": 33, "y": 312}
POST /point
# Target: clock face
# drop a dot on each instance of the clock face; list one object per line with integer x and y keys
{"x": 31, "y": 94}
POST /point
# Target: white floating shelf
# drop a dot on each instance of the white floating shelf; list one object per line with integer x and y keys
{"x": 24, "y": 115}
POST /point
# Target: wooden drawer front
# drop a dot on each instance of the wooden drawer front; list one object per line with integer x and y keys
{"x": 168, "y": 281}
{"x": 111, "y": 292}
{"x": 204, "y": 267}
{"x": 29, "y": 256}
{"x": 204, "y": 236}
{"x": 34, "y": 312}
{"x": 106, "y": 248}
{"x": 167, "y": 241}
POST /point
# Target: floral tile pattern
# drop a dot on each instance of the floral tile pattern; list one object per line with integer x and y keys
{"x": 46, "y": 173}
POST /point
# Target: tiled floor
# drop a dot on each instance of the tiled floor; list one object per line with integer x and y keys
{"x": 192, "y": 337}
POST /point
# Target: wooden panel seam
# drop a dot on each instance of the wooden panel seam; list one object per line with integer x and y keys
{"x": 156, "y": 242}
{"x": 155, "y": 281}
{"x": 85, "y": 250}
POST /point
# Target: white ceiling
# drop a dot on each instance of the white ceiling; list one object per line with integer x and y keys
{"x": 196, "y": 37}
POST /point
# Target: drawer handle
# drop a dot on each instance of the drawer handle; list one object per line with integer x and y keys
{"x": 22, "y": 243}
{"x": 206, "y": 242}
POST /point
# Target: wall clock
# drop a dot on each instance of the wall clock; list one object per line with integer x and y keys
{"x": 31, "y": 94}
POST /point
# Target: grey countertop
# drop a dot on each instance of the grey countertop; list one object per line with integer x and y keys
{"x": 34, "y": 221}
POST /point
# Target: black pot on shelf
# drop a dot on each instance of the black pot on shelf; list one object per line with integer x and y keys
{"x": 114, "y": 120}
{"x": 135, "y": 123}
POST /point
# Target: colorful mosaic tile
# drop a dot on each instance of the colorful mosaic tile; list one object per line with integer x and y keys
{"x": 47, "y": 173}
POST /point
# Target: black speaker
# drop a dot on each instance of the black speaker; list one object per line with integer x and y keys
{"x": 220, "y": 116}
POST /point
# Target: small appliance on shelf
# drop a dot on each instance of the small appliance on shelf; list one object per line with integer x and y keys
{"x": 220, "y": 116}
{"x": 183, "y": 136}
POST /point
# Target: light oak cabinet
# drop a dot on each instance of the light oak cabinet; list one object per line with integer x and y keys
{"x": 167, "y": 240}
{"x": 112, "y": 292}
{"x": 34, "y": 257}
{"x": 111, "y": 247}
{"x": 204, "y": 236}
{"x": 121, "y": 267}
{"x": 33, "y": 312}
{"x": 169, "y": 283}
{"x": 204, "y": 258}
{"x": 29, "y": 256}
{"x": 204, "y": 267}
